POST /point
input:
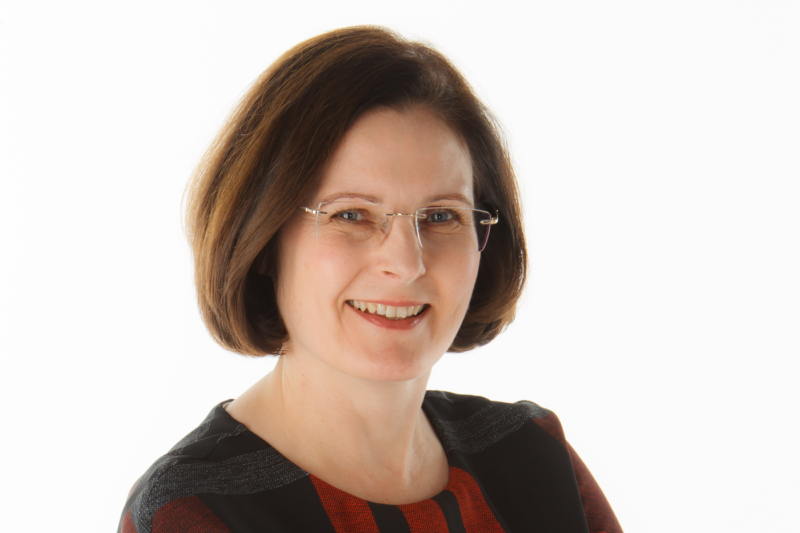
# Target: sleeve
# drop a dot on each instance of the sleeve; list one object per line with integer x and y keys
{"x": 599, "y": 515}
{"x": 126, "y": 523}
{"x": 182, "y": 515}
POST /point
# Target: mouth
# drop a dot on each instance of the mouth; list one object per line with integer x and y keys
{"x": 389, "y": 312}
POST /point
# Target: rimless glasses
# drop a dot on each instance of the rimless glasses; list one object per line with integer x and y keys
{"x": 365, "y": 225}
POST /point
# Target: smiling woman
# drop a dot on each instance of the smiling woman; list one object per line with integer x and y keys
{"x": 405, "y": 159}
{"x": 359, "y": 217}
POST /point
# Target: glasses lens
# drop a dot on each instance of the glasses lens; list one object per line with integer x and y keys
{"x": 441, "y": 229}
{"x": 454, "y": 229}
{"x": 351, "y": 225}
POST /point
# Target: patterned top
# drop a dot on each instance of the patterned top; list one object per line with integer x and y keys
{"x": 511, "y": 470}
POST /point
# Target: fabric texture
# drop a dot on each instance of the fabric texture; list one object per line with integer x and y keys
{"x": 511, "y": 470}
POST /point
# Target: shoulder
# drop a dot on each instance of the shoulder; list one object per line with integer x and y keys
{"x": 471, "y": 423}
{"x": 220, "y": 456}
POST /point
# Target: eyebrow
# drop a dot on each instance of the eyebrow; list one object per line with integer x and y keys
{"x": 452, "y": 196}
{"x": 360, "y": 195}
{"x": 376, "y": 200}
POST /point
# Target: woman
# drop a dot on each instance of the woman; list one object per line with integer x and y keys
{"x": 359, "y": 217}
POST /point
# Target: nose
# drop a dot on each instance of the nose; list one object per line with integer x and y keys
{"x": 400, "y": 253}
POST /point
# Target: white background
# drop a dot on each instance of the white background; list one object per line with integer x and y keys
{"x": 657, "y": 145}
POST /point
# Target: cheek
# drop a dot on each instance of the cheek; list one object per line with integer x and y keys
{"x": 457, "y": 280}
{"x": 295, "y": 287}
{"x": 466, "y": 282}
{"x": 313, "y": 277}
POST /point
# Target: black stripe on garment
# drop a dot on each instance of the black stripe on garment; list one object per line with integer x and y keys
{"x": 294, "y": 507}
{"x": 452, "y": 513}
{"x": 389, "y": 518}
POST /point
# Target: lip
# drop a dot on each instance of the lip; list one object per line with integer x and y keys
{"x": 384, "y": 322}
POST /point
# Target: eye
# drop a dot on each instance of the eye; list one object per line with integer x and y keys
{"x": 349, "y": 215}
{"x": 441, "y": 216}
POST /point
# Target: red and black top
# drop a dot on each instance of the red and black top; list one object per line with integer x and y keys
{"x": 511, "y": 470}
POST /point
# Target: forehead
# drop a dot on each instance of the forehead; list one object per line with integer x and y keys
{"x": 399, "y": 157}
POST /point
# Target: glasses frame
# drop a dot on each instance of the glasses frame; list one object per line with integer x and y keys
{"x": 318, "y": 211}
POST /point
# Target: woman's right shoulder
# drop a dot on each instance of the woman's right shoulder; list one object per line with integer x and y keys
{"x": 219, "y": 456}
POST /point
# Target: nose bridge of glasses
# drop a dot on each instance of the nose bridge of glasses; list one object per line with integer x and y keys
{"x": 386, "y": 224}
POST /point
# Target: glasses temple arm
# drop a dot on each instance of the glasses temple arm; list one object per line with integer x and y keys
{"x": 492, "y": 221}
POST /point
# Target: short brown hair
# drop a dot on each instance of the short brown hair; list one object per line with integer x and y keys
{"x": 270, "y": 155}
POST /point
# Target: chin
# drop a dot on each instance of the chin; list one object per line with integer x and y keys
{"x": 393, "y": 364}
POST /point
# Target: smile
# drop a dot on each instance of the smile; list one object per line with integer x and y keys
{"x": 387, "y": 311}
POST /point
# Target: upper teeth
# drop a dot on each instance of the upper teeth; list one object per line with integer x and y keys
{"x": 389, "y": 311}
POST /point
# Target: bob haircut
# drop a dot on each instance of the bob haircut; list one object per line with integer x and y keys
{"x": 270, "y": 156}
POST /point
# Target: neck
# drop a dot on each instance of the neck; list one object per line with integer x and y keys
{"x": 336, "y": 425}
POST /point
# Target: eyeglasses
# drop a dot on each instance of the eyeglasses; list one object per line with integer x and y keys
{"x": 365, "y": 225}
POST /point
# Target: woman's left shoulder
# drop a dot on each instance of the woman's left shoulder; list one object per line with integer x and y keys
{"x": 498, "y": 437}
{"x": 461, "y": 419}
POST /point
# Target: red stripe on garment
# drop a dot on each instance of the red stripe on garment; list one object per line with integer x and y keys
{"x": 424, "y": 517}
{"x": 187, "y": 515}
{"x": 599, "y": 514}
{"x": 477, "y": 516}
{"x": 552, "y": 425}
{"x": 347, "y": 513}
{"x": 127, "y": 524}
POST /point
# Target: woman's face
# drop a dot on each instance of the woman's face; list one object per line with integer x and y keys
{"x": 403, "y": 160}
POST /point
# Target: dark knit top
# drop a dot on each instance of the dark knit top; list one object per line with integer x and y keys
{"x": 510, "y": 470}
